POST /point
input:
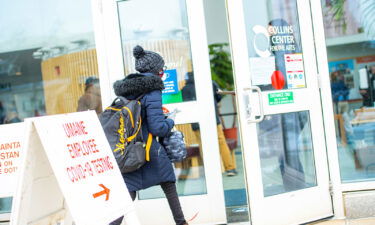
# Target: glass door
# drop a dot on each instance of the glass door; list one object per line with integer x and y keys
{"x": 278, "y": 96}
{"x": 176, "y": 30}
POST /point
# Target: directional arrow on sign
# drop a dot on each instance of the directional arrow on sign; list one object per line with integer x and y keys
{"x": 104, "y": 192}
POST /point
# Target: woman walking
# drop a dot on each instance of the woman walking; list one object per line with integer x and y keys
{"x": 159, "y": 170}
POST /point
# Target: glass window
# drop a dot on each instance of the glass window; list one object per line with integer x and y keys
{"x": 47, "y": 67}
{"x": 286, "y": 153}
{"x": 350, "y": 37}
{"x": 274, "y": 41}
{"x": 167, "y": 34}
{"x": 47, "y": 61}
{"x": 5, "y": 205}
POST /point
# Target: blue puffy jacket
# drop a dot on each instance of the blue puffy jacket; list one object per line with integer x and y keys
{"x": 159, "y": 168}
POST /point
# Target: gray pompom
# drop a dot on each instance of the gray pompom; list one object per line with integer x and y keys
{"x": 138, "y": 52}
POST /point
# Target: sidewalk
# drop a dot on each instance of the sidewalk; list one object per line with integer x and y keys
{"x": 370, "y": 221}
{"x": 367, "y": 221}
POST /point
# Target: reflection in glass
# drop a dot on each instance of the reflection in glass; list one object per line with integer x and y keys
{"x": 5, "y": 205}
{"x": 167, "y": 35}
{"x": 44, "y": 71}
{"x": 188, "y": 91}
{"x": 286, "y": 153}
{"x": 91, "y": 98}
{"x": 46, "y": 58}
{"x": 273, "y": 35}
{"x": 190, "y": 172}
{"x": 65, "y": 83}
{"x": 351, "y": 55}
{"x": 21, "y": 86}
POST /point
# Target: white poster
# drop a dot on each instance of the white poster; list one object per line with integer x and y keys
{"x": 295, "y": 73}
{"x": 261, "y": 69}
{"x": 11, "y": 144}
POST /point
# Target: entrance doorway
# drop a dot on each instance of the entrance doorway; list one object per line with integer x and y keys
{"x": 280, "y": 111}
{"x": 176, "y": 30}
{"x": 278, "y": 99}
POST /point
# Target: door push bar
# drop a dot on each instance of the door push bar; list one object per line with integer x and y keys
{"x": 248, "y": 105}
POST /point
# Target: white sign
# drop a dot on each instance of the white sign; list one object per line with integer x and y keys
{"x": 261, "y": 70}
{"x": 363, "y": 81}
{"x": 76, "y": 154}
{"x": 295, "y": 71}
{"x": 10, "y": 153}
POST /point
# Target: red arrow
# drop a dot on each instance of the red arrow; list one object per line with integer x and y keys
{"x": 104, "y": 192}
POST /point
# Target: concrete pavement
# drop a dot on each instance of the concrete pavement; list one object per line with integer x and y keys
{"x": 366, "y": 221}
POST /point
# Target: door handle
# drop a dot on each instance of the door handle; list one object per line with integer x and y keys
{"x": 248, "y": 105}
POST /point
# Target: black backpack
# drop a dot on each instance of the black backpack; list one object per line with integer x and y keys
{"x": 122, "y": 123}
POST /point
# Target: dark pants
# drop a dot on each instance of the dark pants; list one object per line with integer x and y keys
{"x": 170, "y": 192}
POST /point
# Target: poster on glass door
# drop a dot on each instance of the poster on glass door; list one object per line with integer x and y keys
{"x": 294, "y": 69}
{"x": 171, "y": 93}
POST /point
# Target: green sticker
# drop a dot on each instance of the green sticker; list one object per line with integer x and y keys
{"x": 172, "y": 98}
{"x": 280, "y": 98}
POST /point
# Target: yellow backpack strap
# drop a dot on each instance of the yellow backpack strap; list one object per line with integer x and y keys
{"x": 129, "y": 139}
{"x": 130, "y": 114}
{"x": 127, "y": 109}
{"x": 148, "y": 146}
{"x": 148, "y": 143}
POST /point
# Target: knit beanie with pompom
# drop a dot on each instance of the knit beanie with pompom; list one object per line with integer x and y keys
{"x": 147, "y": 61}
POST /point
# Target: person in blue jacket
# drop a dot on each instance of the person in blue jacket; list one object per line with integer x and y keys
{"x": 340, "y": 91}
{"x": 159, "y": 170}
